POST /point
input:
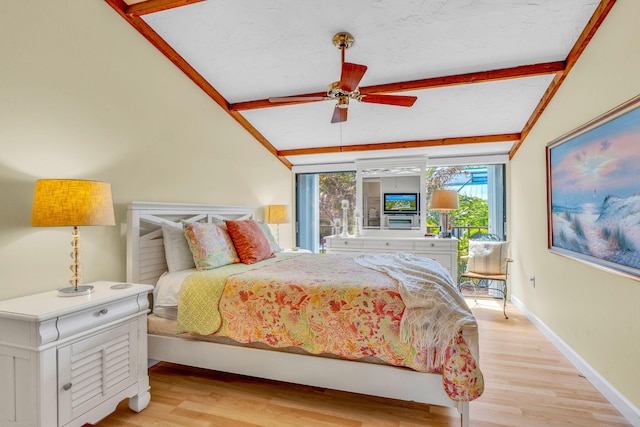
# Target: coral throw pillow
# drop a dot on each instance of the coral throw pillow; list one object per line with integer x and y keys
{"x": 250, "y": 242}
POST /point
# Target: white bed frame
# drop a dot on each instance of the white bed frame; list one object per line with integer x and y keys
{"x": 146, "y": 262}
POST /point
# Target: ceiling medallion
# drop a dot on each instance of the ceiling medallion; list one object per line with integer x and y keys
{"x": 343, "y": 40}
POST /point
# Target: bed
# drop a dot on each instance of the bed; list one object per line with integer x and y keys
{"x": 147, "y": 263}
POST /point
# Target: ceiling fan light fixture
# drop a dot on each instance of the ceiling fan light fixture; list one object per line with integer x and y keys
{"x": 343, "y": 102}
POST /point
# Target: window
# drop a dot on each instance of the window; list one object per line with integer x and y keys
{"x": 481, "y": 197}
{"x": 481, "y": 191}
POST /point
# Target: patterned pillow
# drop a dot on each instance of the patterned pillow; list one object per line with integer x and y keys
{"x": 249, "y": 239}
{"x": 487, "y": 257}
{"x": 275, "y": 247}
{"x": 210, "y": 245}
{"x": 176, "y": 248}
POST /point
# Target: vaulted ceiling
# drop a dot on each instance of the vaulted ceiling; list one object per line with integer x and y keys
{"x": 482, "y": 70}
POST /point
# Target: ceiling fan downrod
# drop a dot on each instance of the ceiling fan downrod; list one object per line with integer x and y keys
{"x": 343, "y": 41}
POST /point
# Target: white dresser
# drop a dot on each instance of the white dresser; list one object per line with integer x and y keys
{"x": 67, "y": 361}
{"x": 445, "y": 251}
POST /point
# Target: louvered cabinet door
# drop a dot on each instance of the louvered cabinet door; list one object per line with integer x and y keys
{"x": 95, "y": 369}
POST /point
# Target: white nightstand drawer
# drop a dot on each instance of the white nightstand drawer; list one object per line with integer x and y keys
{"x": 99, "y": 315}
{"x": 346, "y": 243}
{"x": 434, "y": 245}
{"x": 392, "y": 245}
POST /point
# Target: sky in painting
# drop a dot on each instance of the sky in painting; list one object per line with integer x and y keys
{"x": 601, "y": 162}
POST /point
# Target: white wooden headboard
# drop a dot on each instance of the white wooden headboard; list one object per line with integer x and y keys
{"x": 145, "y": 247}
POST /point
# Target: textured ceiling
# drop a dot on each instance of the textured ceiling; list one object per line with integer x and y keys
{"x": 243, "y": 52}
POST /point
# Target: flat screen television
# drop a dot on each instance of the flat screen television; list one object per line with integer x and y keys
{"x": 401, "y": 203}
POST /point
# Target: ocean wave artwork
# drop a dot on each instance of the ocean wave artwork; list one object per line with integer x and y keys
{"x": 594, "y": 189}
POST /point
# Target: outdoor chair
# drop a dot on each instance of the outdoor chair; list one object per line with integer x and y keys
{"x": 487, "y": 269}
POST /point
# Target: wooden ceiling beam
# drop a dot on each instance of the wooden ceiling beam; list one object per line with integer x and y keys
{"x": 401, "y": 144}
{"x": 430, "y": 83}
{"x": 580, "y": 45}
{"x": 468, "y": 78}
{"x": 152, "y": 6}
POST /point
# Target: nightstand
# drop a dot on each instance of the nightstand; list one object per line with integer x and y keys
{"x": 67, "y": 361}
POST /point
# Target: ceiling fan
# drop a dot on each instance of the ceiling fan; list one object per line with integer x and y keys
{"x": 347, "y": 87}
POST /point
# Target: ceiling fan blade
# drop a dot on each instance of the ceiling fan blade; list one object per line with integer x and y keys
{"x": 351, "y": 76}
{"x": 402, "y": 101}
{"x": 339, "y": 115}
{"x": 297, "y": 98}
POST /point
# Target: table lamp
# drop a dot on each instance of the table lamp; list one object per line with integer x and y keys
{"x": 72, "y": 202}
{"x": 444, "y": 201}
{"x": 277, "y": 214}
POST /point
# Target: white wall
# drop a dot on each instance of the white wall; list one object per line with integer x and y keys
{"x": 595, "y": 312}
{"x": 83, "y": 95}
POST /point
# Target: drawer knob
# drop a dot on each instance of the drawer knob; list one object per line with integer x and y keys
{"x": 433, "y": 244}
{"x": 387, "y": 243}
{"x": 103, "y": 311}
{"x": 66, "y": 387}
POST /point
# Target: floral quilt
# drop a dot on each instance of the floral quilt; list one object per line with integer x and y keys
{"x": 327, "y": 304}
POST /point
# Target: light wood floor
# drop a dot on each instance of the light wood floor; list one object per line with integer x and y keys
{"x": 527, "y": 383}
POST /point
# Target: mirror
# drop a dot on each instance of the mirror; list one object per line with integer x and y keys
{"x": 390, "y": 194}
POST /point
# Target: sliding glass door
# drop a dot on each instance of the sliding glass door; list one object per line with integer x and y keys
{"x": 319, "y": 201}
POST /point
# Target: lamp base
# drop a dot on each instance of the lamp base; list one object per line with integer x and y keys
{"x": 345, "y": 223}
{"x": 444, "y": 225}
{"x": 72, "y": 291}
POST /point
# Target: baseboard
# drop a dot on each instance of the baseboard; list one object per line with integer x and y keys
{"x": 618, "y": 400}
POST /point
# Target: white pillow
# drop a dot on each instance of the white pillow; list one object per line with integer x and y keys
{"x": 176, "y": 247}
{"x": 167, "y": 290}
{"x": 275, "y": 247}
{"x": 487, "y": 257}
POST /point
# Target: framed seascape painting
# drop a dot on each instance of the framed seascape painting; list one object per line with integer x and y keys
{"x": 593, "y": 191}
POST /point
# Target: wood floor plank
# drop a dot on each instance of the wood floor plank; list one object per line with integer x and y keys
{"x": 528, "y": 383}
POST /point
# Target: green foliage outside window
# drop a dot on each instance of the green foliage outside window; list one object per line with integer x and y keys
{"x": 473, "y": 211}
{"x": 333, "y": 189}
